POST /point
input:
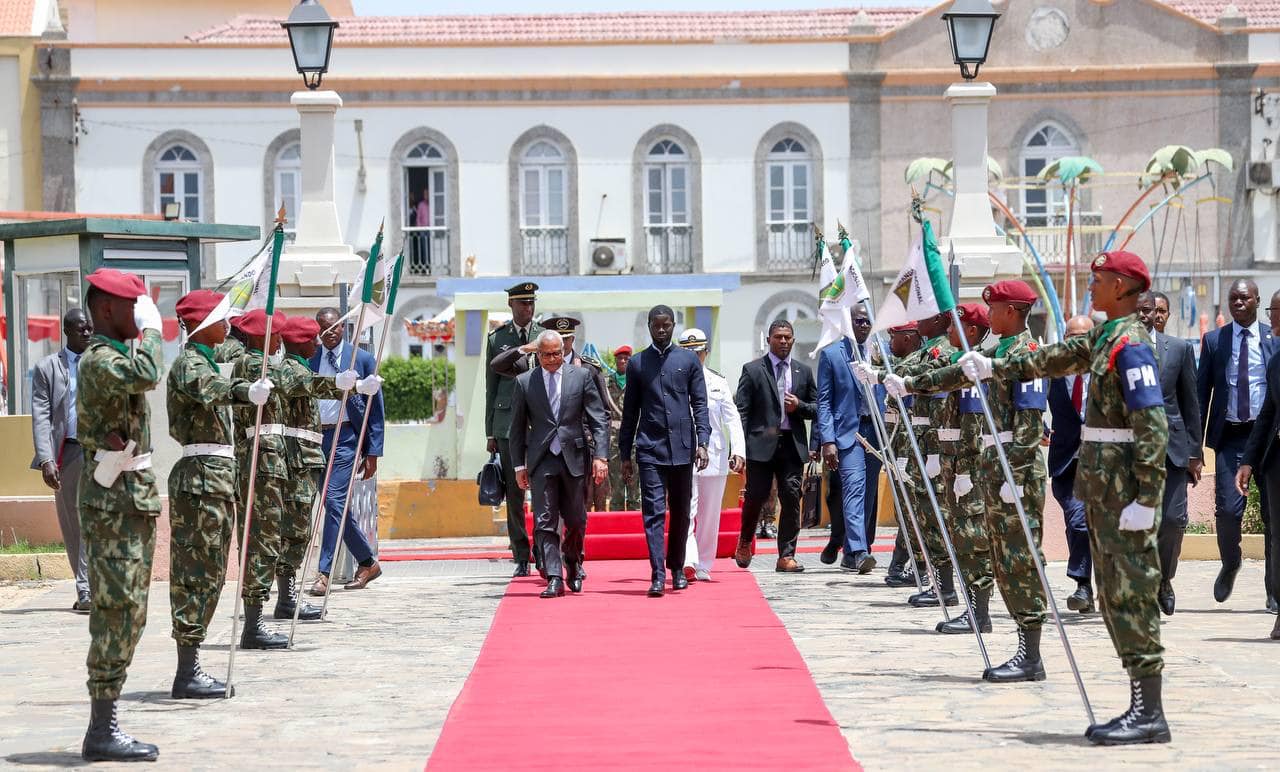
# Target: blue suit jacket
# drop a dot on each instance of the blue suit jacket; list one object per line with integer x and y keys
{"x": 356, "y": 402}
{"x": 664, "y": 407}
{"x": 1211, "y": 376}
{"x": 1064, "y": 442}
{"x": 840, "y": 397}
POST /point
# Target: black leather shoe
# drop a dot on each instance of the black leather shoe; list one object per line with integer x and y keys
{"x": 930, "y": 598}
{"x": 898, "y": 578}
{"x": 576, "y": 575}
{"x": 1081, "y": 600}
{"x": 1143, "y": 722}
{"x": 522, "y": 569}
{"x": 83, "y": 604}
{"x": 575, "y": 584}
{"x": 657, "y": 587}
{"x": 555, "y": 588}
{"x": 1272, "y": 607}
{"x": 678, "y": 582}
{"x": 830, "y": 553}
{"x": 287, "y": 601}
{"x": 191, "y": 682}
{"x": 1225, "y": 583}
{"x": 767, "y": 531}
{"x": 105, "y": 741}
{"x": 256, "y": 635}
{"x": 1025, "y": 665}
{"x": 1166, "y": 598}
{"x": 862, "y": 562}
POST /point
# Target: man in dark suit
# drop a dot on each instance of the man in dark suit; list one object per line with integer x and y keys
{"x": 549, "y": 407}
{"x": 334, "y": 356}
{"x": 1184, "y": 458}
{"x": 664, "y": 418}
{"x": 1231, "y": 381}
{"x": 776, "y": 395}
{"x": 1067, "y": 398}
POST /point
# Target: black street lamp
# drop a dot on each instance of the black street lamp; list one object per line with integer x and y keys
{"x": 969, "y": 25}
{"x": 311, "y": 39}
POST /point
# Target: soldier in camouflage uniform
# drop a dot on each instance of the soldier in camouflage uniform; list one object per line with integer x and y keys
{"x": 904, "y": 343}
{"x": 623, "y": 496}
{"x": 300, "y": 387}
{"x": 1120, "y": 478}
{"x": 202, "y": 488}
{"x": 1018, "y": 407}
{"x": 230, "y": 349}
{"x": 118, "y": 498}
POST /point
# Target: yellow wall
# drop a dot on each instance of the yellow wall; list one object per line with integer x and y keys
{"x": 16, "y": 476}
{"x": 28, "y": 105}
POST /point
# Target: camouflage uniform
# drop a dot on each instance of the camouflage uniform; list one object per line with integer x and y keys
{"x": 969, "y": 529}
{"x": 936, "y": 353}
{"x": 1124, "y": 393}
{"x": 1018, "y": 408}
{"x": 299, "y": 387}
{"x": 273, "y": 477}
{"x": 118, "y": 523}
{"x": 228, "y": 351}
{"x": 202, "y": 489}
{"x": 622, "y": 496}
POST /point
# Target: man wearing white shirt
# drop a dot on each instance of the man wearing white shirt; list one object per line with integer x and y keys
{"x": 728, "y": 454}
{"x": 1067, "y": 398}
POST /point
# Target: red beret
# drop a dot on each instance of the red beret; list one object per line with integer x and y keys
{"x": 196, "y": 305}
{"x": 908, "y": 327}
{"x": 300, "y": 329}
{"x": 1125, "y": 264}
{"x": 974, "y": 313}
{"x": 622, "y": 350}
{"x": 1009, "y": 291}
{"x": 255, "y": 322}
{"x": 117, "y": 283}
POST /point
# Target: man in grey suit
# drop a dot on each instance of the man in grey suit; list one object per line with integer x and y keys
{"x": 1184, "y": 458}
{"x": 550, "y": 405}
{"x": 53, "y": 433}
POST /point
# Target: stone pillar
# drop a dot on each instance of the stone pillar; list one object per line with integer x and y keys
{"x": 983, "y": 256}
{"x": 1235, "y": 126}
{"x": 57, "y": 126}
{"x": 318, "y": 260}
{"x": 865, "y": 163}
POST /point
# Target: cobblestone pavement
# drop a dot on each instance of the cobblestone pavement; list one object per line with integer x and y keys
{"x": 372, "y": 688}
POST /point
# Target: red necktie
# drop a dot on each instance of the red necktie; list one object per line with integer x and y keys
{"x": 1077, "y": 393}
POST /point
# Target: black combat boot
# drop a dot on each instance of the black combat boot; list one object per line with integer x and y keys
{"x": 947, "y": 582}
{"x": 1143, "y": 722}
{"x": 287, "y": 600}
{"x": 256, "y": 635}
{"x": 1026, "y": 664}
{"x": 191, "y": 682}
{"x": 960, "y": 625}
{"x": 105, "y": 741}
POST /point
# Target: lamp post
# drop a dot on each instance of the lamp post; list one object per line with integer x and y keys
{"x": 981, "y": 255}
{"x": 318, "y": 259}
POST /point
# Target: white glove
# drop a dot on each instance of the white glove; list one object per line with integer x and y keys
{"x": 902, "y": 467}
{"x": 964, "y": 484}
{"x": 260, "y": 391}
{"x": 932, "y": 465}
{"x": 976, "y": 366}
{"x": 896, "y": 386}
{"x": 866, "y": 373}
{"x": 346, "y": 380}
{"x": 145, "y": 314}
{"x": 1136, "y": 517}
{"x": 369, "y": 386}
{"x": 1007, "y": 494}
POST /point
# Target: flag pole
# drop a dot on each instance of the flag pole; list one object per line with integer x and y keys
{"x": 276, "y": 245}
{"x": 317, "y": 514}
{"x": 364, "y": 421}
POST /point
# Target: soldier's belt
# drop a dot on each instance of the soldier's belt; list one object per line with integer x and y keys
{"x": 208, "y": 449}
{"x": 919, "y": 420}
{"x": 264, "y": 430}
{"x": 988, "y": 440}
{"x": 891, "y": 418}
{"x": 949, "y": 435}
{"x": 134, "y": 464}
{"x": 304, "y": 434}
{"x": 1101, "y": 434}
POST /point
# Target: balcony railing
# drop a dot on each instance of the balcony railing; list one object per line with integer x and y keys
{"x": 428, "y": 251}
{"x": 668, "y": 249}
{"x": 790, "y": 246}
{"x": 544, "y": 251}
{"x": 1050, "y": 241}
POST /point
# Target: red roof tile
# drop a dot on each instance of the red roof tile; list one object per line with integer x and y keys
{"x": 1260, "y": 13}
{"x": 15, "y": 17}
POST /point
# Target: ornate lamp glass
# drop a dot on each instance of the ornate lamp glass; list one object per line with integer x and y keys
{"x": 311, "y": 40}
{"x": 969, "y": 25}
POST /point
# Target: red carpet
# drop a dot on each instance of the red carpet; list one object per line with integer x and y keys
{"x": 707, "y": 678}
{"x": 620, "y": 535}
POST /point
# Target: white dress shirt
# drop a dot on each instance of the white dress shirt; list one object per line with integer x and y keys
{"x": 1257, "y": 372}
{"x": 329, "y": 408}
{"x": 72, "y": 360}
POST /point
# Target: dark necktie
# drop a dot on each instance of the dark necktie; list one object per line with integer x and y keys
{"x": 1242, "y": 379}
{"x": 553, "y": 396}
{"x": 1077, "y": 393}
{"x": 780, "y": 372}
{"x": 332, "y": 359}
{"x": 524, "y": 336}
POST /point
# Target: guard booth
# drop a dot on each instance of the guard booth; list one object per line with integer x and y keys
{"x": 46, "y": 260}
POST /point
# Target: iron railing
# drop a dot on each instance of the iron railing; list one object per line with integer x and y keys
{"x": 668, "y": 248}
{"x": 428, "y": 251}
{"x": 790, "y": 246}
{"x": 544, "y": 251}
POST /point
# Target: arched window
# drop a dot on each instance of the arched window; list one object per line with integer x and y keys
{"x": 426, "y": 215}
{"x": 178, "y": 173}
{"x": 1041, "y": 204}
{"x": 788, "y": 197}
{"x": 544, "y": 208}
{"x": 667, "y": 209}
{"x": 288, "y": 184}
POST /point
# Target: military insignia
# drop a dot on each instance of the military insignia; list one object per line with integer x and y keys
{"x": 935, "y": 352}
{"x": 503, "y": 347}
{"x": 1032, "y": 346}
{"x": 1115, "y": 351}
{"x": 562, "y": 325}
{"x": 528, "y": 288}
{"x": 903, "y": 288}
{"x": 1100, "y": 261}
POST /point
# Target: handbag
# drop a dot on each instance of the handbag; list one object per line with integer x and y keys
{"x": 492, "y": 491}
{"x": 811, "y": 496}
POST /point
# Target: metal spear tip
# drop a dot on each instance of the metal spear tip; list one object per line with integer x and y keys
{"x": 280, "y": 218}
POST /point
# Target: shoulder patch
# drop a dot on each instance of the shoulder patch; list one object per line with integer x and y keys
{"x": 969, "y": 400}
{"x": 1030, "y": 395}
{"x": 1139, "y": 377}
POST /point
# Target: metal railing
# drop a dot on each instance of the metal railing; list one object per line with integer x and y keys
{"x": 790, "y": 246}
{"x": 1050, "y": 240}
{"x": 428, "y": 251}
{"x": 668, "y": 248}
{"x": 544, "y": 251}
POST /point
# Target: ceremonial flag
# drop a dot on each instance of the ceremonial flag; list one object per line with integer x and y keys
{"x": 838, "y": 293}
{"x": 371, "y": 290}
{"x": 921, "y": 289}
{"x": 253, "y": 287}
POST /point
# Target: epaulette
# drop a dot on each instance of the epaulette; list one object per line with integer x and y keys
{"x": 717, "y": 372}
{"x": 593, "y": 362}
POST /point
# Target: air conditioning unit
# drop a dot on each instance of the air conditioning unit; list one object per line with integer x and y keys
{"x": 1263, "y": 175}
{"x": 609, "y": 256}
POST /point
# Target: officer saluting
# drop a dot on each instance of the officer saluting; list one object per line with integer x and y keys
{"x": 118, "y": 499}
{"x": 497, "y": 410}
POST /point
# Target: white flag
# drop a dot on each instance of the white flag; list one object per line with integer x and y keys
{"x": 838, "y": 293}
{"x": 249, "y": 290}
{"x": 921, "y": 289}
{"x": 376, "y": 310}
